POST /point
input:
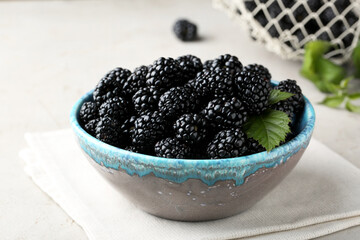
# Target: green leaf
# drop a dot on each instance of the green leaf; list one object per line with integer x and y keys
{"x": 333, "y": 101}
{"x": 356, "y": 60}
{"x": 354, "y": 96}
{"x": 345, "y": 82}
{"x": 352, "y": 108}
{"x": 269, "y": 128}
{"x": 318, "y": 69}
{"x": 277, "y": 96}
{"x": 327, "y": 87}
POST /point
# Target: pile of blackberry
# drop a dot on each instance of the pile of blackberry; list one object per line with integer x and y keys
{"x": 182, "y": 108}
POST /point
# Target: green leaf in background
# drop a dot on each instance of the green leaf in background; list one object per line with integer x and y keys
{"x": 319, "y": 70}
{"x": 354, "y": 96}
{"x": 327, "y": 87}
{"x": 333, "y": 101}
{"x": 277, "y": 96}
{"x": 352, "y": 108}
{"x": 356, "y": 60}
{"x": 269, "y": 129}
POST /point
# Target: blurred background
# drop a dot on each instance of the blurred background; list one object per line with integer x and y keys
{"x": 52, "y": 52}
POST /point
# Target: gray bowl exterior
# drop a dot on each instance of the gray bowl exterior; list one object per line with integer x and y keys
{"x": 194, "y": 190}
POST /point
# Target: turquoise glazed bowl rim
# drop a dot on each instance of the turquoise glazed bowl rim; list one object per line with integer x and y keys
{"x": 179, "y": 170}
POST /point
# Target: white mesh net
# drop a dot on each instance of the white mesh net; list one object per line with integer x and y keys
{"x": 285, "y": 26}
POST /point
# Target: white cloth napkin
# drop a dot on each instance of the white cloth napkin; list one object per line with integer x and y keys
{"x": 320, "y": 196}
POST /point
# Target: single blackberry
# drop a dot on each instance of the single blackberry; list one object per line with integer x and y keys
{"x": 227, "y": 62}
{"x": 171, "y": 148}
{"x": 185, "y": 30}
{"x": 253, "y": 91}
{"x": 88, "y": 112}
{"x": 227, "y": 144}
{"x": 213, "y": 84}
{"x": 190, "y": 128}
{"x": 107, "y": 131}
{"x": 190, "y": 66}
{"x": 286, "y": 107}
{"x": 146, "y": 99}
{"x": 164, "y": 73}
{"x": 111, "y": 85}
{"x": 176, "y": 101}
{"x": 259, "y": 70}
{"x": 225, "y": 113}
{"x": 136, "y": 81}
{"x": 115, "y": 108}
{"x": 90, "y": 127}
{"x": 296, "y": 102}
{"x": 149, "y": 128}
{"x": 253, "y": 146}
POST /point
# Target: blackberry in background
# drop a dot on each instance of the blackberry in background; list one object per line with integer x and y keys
{"x": 164, "y": 73}
{"x": 253, "y": 91}
{"x": 185, "y": 30}
{"x": 88, "y": 112}
{"x": 227, "y": 144}
{"x": 259, "y": 70}
{"x": 115, "y": 108}
{"x": 172, "y": 148}
{"x": 146, "y": 99}
{"x": 107, "y": 131}
{"x": 177, "y": 101}
{"x": 111, "y": 85}
{"x": 327, "y": 15}
{"x": 190, "y": 128}
{"x": 274, "y": 9}
{"x": 260, "y": 17}
{"x": 226, "y": 62}
{"x": 148, "y": 129}
{"x": 225, "y": 113}
{"x": 190, "y": 65}
{"x": 136, "y": 81}
{"x": 285, "y": 23}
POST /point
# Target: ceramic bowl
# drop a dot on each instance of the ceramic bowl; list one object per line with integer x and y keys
{"x": 194, "y": 190}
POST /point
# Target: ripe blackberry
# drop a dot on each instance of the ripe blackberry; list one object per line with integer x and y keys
{"x": 164, "y": 73}
{"x": 293, "y": 104}
{"x": 132, "y": 148}
{"x": 227, "y": 144}
{"x": 253, "y": 91}
{"x": 107, "y": 131}
{"x": 176, "y": 101}
{"x": 88, "y": 112}
{"x": 149, "y": 128}
{"x": 225, "y": 113}
{"x": 115, "y": 108}
{"x": 171, "y": 148}
{"x": 125, "y": 129}
{"x": 146, "y": 99}
{"x": 253, "y": 146}
{"x": 136, "y": 81}
{"x": 259, "y": 70}
{"x": 190, "y": 66}
{"x": 185, "y": 30}
{"x": 213, "y": 84}
{"x": 90, "y": 127}
{"x": 227, "y": 62}
{"x": 111, "y": 85}
{"x": 190, "y": 128}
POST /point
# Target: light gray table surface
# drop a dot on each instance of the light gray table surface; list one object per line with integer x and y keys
{"x": 52, "y": 52}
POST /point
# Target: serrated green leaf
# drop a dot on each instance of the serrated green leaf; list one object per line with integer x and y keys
{"x": 352, "y": 108}
{"x": 318, "y": 69}
{"x": 356, "y": 60}
{"x": 354, "y": 96}
{"x": 277, "y": 96}
{"x": 333, "y": 101}
{"x": 269, "y": 129}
